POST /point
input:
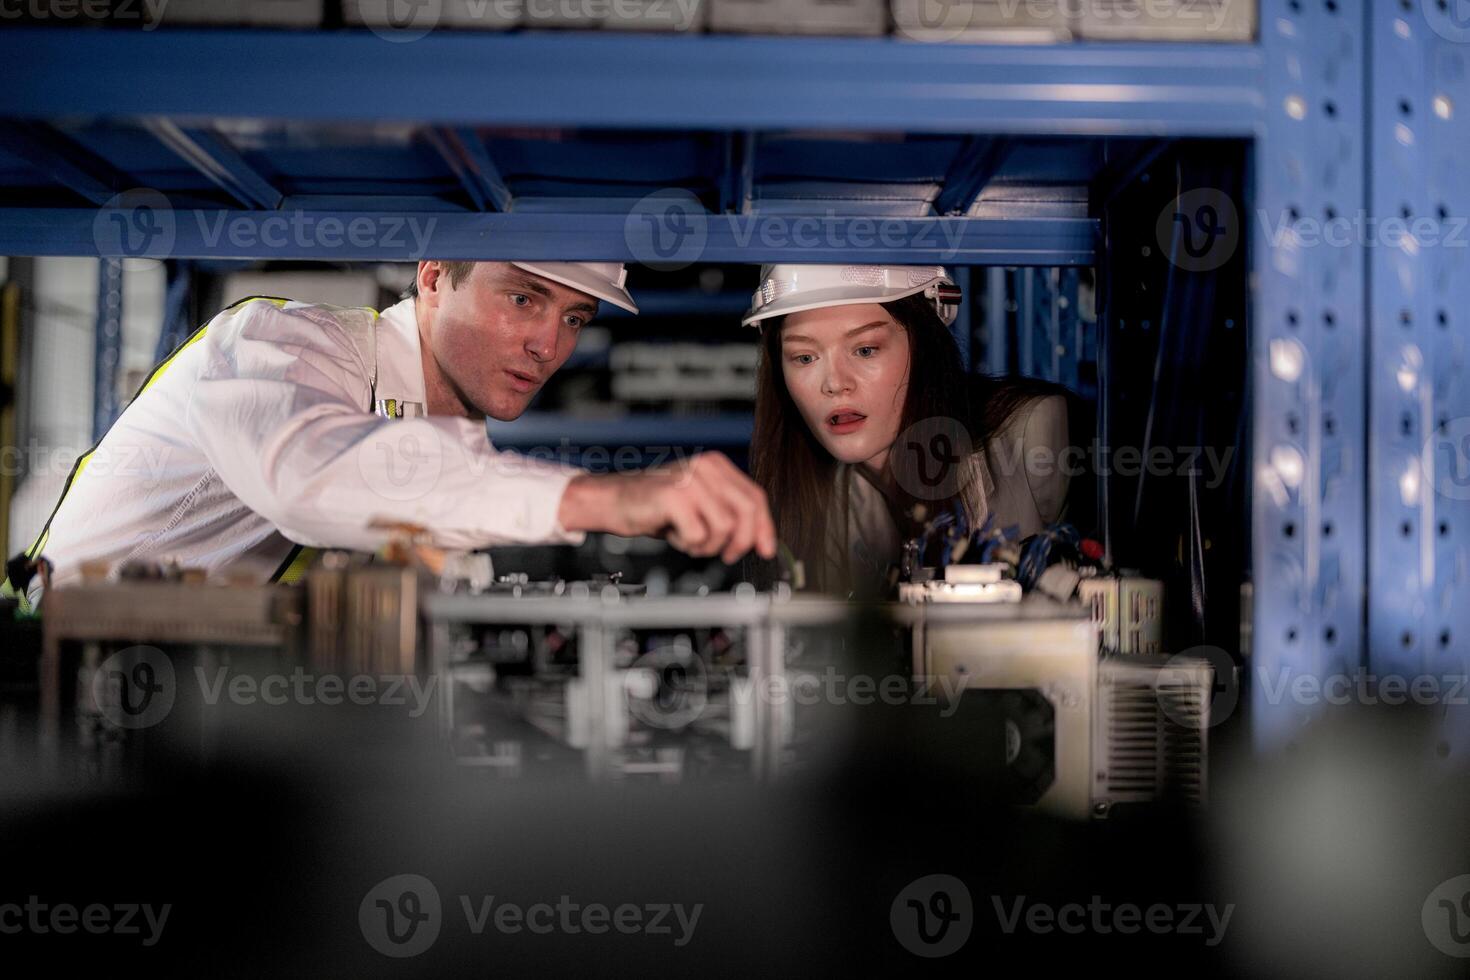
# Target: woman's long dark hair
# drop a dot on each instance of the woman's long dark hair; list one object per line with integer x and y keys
{"x": 799, "y": 475}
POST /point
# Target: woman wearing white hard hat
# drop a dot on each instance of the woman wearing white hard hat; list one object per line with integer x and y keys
{"x": 866, "y": 422}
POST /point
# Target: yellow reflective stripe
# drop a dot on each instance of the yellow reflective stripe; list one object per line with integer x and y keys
{"x": 158, "y": 372}
{"x": 299, "y": 565}
{"x": 154, "y": 375}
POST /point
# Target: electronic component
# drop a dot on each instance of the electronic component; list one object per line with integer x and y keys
{"x": 1128, "y": 610}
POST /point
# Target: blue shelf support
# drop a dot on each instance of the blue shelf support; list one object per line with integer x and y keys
{"x": 107, "y": 357}
{"x": 978, "y": 160}
{"x": 1307, "y": 362}
{"x": 465, "y": 153}
{"x": 209, "y": 153}
{"x": 737, "y": 190}
{"x": 63, "y": 161}
{"x": 1419, "y": 426}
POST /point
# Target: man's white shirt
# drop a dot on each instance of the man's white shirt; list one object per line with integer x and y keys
{"x": 260, "y": 435}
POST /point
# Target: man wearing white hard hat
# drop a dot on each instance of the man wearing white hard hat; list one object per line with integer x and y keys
{"x": 281, "y": 427}
{"x": 867, "y": 425}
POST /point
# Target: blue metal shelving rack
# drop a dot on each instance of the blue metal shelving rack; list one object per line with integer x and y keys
{"x": 989, "y": 155}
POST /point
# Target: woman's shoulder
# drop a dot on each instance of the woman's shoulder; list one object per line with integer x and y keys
{"x": 1023, "y": 448}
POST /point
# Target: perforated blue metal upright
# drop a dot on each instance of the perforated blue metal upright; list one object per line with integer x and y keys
{"x": 1307, "y": 338}
{"x": 1418, "y": 432}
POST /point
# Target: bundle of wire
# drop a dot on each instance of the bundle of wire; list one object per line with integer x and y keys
{"x": 1036, "y": 554}
{"x": 958, "y": 539}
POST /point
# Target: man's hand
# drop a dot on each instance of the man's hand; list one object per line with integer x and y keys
{"x": 705, "y": 506}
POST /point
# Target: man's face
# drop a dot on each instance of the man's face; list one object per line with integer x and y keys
{"x": 501, "y": 333}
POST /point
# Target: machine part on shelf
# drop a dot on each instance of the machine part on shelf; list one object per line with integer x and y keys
{"x": 998, "y": 591}
{"x": 141, "y": 615}
{"x": 648, "y": 671}
{"x": 363, "y": 620}
{"x": 1037, "y": 663}
{"x": 667, "y": 764}
{"x": 472, "y": 570}
{"x": 973, "y": 574}
{"x": 1150, "y": 735}
{"x": 1128, "y": 612}
{"x": 1059, "y": 582}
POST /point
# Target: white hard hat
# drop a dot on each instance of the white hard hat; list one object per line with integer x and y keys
{"x": 791, "y": 288}
{"x": 603, "y": 280}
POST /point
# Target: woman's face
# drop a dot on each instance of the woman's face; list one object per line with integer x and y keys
{"x": 847, "y": 368}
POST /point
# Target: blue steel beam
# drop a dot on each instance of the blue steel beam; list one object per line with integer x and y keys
{"x": 466, "y": 155}
{"x": 737, "y": 188}
{"x": 213, "y": 156}
{"x": 1120, "y": 173}
{"x": 603, "y": 81}
{"x": 976, "y": 163}
{"x": 154, "y": 231}
{"x": 63, "y": 161}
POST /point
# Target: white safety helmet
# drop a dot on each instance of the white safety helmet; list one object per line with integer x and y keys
{"x": 788, "y": 288}
{"x": 601, "y": 279}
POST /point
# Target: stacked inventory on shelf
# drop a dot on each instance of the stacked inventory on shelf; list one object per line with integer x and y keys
{"x": 964, "y": 21}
